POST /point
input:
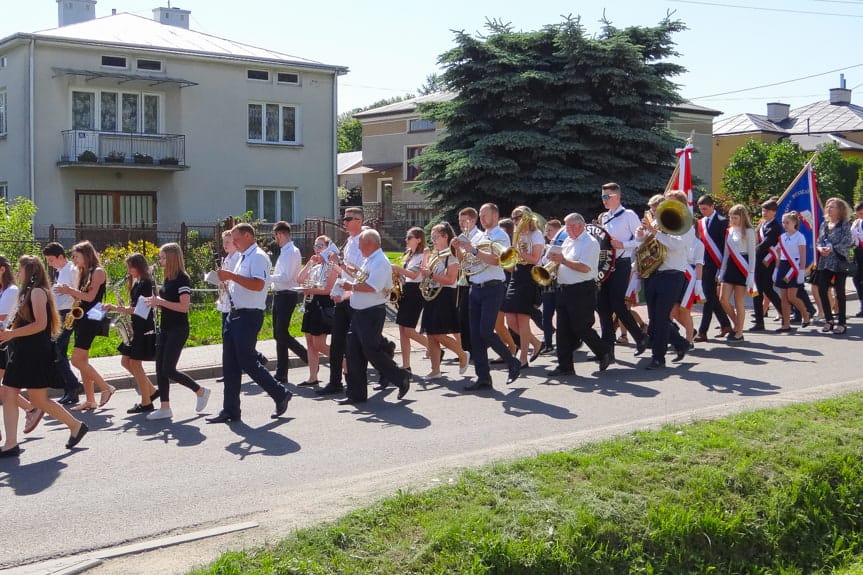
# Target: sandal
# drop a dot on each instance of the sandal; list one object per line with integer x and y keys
{"x": 839, "y": 330}
{"x": 106, "y": 395}
{"x": 622, "y": 340}
{"x": 828, "y": 327}
{"x": 32, "y": 419}
{"x": 86, "y": 406}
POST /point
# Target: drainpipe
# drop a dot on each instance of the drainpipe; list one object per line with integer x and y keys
{"x": 335, "y": 153}
{"x": 32, "y": 119}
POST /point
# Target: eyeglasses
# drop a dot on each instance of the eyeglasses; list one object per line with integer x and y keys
{"x": 516, "y": 218}
{"x": 348, "y": 219}
{"x": 319, "y": 246}
{"x": 607, "y": 196}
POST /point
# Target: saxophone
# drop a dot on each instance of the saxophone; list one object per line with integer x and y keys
{"x": 76, "y": 312}
{"x": 122, "y": 322}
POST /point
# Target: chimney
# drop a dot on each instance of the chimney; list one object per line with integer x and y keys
{"x": 840, "y": 95}
{"x": 75, "y": 11}
{"x": 777, "y": 112}
{"x": 172, "y": 17}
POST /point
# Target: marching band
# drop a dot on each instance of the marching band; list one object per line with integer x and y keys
{"x": 457, "y": 289}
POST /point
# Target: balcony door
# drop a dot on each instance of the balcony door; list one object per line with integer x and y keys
{"x": 97, "y": 213}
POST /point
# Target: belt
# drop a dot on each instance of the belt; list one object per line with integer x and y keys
{"x": 244, "y": 309}
{"x": 489, "y": 283}
{"x": 576, "y": 284}
{"x": 284, "y": 291}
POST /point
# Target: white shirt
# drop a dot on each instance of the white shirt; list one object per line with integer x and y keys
{"x": 414, "y": 264}
{"x": 622, "y": 224}
{"x": 857, "y": 231}
{"x": 67, "y": 275}
{"x": 352, "y": 254}
{"x": 380, "y": 272}
{"x": 8, "y": 299}
{"x": 583, "y": 249}
{"x": 696, "y": 252}
{"x": 473, "y": 233}
{"x": 253, "y": 263}
{"x": 676, "y": 250}
{"x": 792, "y": 243}
{"x": 228, "y": 263}
{"x": 744, "y": 246}
{"x": 287, "y": 268}
{"x": 497, "y": 235}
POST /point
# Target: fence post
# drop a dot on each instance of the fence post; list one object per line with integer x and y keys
{"x": 52, "y": 233}
{"x": 183, "y": 237}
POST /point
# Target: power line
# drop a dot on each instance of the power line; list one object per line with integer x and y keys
{"x": 786, "y": 10}
{"x": 776, "y": 83}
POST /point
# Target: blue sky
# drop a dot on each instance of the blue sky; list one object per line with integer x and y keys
{"x": 390, "y": 46}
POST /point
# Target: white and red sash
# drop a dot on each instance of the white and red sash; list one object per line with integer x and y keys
{"x": 689, "y": 297}
{"x": 772, "y": 253}
{"x": 709, "y": 245}
{"x": 633, "y": 286}
{"x": 793, "y": 269}
{"x": 739, "y": 261}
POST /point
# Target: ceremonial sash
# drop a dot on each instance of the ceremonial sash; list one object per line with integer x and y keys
{"x": 634, "y": 286}
{"x": 794, "y": 269}
{"x": 735, "y": 255}
{"x": 689, "y": 297}
{"x": 772, "y": 255}
{"x": 709, "y": 245}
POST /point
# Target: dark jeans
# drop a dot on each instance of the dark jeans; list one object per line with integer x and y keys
{"x": 365, "y": 345}
{"x": 575, "y": 317}
{"x": 764, "y": 284}
{"x": 239, "y": 356}
{"x": 464, "y": 316}
{"x": 171, "y": 342}
{"x": 338, "y": 341}
{"x": 485, "y": 303}
{"x": 612, "y": 301}
{"x": 70, "y": 382}
{"x": 711, "y": 299}
{"x": 824, "y": 283}
{"x": 858, "y": 277}
{"x": 549, "y": 303}
{"x": 283, "y": 308}
{"x": 662, "y": 290}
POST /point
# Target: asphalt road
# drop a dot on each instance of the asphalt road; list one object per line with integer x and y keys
{"x": 132, "y": 479}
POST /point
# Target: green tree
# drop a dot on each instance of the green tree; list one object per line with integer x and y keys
{"x": 545, "y": 117}
{"x": 434, "y": 83}
{"x": 16, "y": 228}
{"x": 350, "y": 132}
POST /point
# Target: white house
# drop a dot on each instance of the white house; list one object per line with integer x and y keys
{"x": 130, "y": 121}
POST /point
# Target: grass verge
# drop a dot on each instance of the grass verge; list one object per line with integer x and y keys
{"x": 766, "y": 492}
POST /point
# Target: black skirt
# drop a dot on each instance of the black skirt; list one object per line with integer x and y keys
{"x": 32, "y": 363}
{"x": 733, "y": 274}
{"x": 318, "y": 317}
{"x": 440, "y": 315}
{"x": 521, "y": 294}
{"x": 781, "y": 282}
{"x": 410, "y": 306}
{"x": 86, "y": 330}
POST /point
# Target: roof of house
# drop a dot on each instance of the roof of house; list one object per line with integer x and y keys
{"x": 130, "y": 31}
{"x": 695, "y": 109}
{"x": 347, "y": 160}
{"x": 811, "y": 142}
{"x": 405, "y": 106}
{"x": 816, "y": 118}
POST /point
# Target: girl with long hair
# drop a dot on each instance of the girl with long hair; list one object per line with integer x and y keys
{"x": 320, "y": 309}
{"x": 139, "y": 284}
{"x": 89, "y": 292}
{"x": 737, "y": 272}
{"x": 35, "y": 325}
{"x": 411, "y": 303}
{"x": 174, "y": 299}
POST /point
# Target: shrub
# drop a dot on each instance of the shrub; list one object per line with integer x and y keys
{"x": 87, "y": 156}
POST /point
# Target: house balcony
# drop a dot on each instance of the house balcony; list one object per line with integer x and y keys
{"x": 95, "y": 149}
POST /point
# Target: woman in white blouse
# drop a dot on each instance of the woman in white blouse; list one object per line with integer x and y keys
{"x": 790, "y": 272}
{"x": 737, "y": 273}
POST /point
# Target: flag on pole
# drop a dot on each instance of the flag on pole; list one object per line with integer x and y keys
{"x": 681, "y": 178}
{"x": 802, "y": 197}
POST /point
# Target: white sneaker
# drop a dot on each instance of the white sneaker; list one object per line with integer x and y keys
{"x": 201, "y": 403}
{"x": 164, "y": 413}
{"x": 462, "y": 369}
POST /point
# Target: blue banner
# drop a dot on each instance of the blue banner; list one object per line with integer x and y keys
{"x": 802, "y": 197}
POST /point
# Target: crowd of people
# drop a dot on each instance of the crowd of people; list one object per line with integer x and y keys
{"x": 469, "y": 292}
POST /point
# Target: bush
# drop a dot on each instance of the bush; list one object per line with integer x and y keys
{"x": 16, "y": 228}
{"x": 113, "y": 257}
{"x": 87, "y": 156}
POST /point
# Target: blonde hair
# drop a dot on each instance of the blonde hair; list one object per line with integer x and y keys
{"x": 740, "y": 211}
{"x": 174, "y": 262}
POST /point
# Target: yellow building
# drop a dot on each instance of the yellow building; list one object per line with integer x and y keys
{"x": 835, "y": 120}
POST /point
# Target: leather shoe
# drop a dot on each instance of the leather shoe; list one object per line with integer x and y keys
{"x": 223, "y": 418}
{"x": 329, "y": 389}
{"x": 76, "y": 438}
{"x": 514, "y": 371}
{"x": 404, "y": 386}
{"x": 757, "y": 327}
{"x": 11, "y": 452}
{"x": 656, "y": 364}
{"x": 681, "y": 353}
{"x": 282, "y": 406}
{"x": 69, "y": 400}
{"x": 700, "y": 337}
{"x": 605, "y": 361}
{"x": 724, "y": 331}
{"x": 478, "y": 384}
{"x": 640, "y": 345}
{"x": 559, "y": 372}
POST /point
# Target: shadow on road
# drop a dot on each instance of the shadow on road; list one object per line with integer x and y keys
{"x": 261, "y": 440}
{"x": 515, "y": 404}
{"x": 165, "y": 430}
{"x": 32, "y": 478}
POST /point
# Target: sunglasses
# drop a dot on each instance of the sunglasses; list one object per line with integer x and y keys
{"x": 348, "y": 219}
{"x": 607, "y": 196}
{"x": 319, "y": 246}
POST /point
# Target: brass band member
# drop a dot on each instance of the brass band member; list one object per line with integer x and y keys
{"x": 467, "y": 219}
{"x": 318, "y": 315}
{"x": 578, "y": 261}
{"x": 411, "y": 303}
{"x": 285, "y": 298}
{"x": 65, "y": 272}
{"x": 556, "y": 234}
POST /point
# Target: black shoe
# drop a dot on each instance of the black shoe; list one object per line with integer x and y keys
{"x": 138, "y": 408}
{"x": 656, "y": 364}
{"x": 223, "y": 418}
{"x": 262, "y": 359}
{"x": 329, "y": 389}
{"x": 12, "y": 452}
{"x": 308, "y": 383}
{"x": 282, "y": 406}
{"x": 281, "y": 378}
{"x": 478, "y": 384}
{"x": 757, "y": 327}
{"x": 605, "y": 360}
{"x": 220, "y": 380}
{"x": 681, "y": 353}
{"x": 548, "y": 348}
{"x": 68, "y": 400}
{"x": 351, "y": 401}
{"x": 559, "y": 372}
{"x": 640, "y": 345}
{"x": 77, "y": 437}
{"x": 514, "y": 371}
{"x": 404, "y": 386}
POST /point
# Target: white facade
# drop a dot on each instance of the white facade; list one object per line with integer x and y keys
{"x": 213, "y": 137}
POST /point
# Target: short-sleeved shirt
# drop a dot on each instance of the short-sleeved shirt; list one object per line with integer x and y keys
{"x": 380, "y": 277}
{"x": 253, "y": 263}
{"x": 791, "y": 244}
{"x": 171, "y": 291}
{"x": 583, "y": 249}
{"x": 8, "y": 298}
{"x": 141, "y": 288}
{"x": 496, "y": 235}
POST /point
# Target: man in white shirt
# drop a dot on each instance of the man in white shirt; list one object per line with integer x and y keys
{"x": 369, "y": 294}
{"x": 285, "y": 298}
{"x": 248, "y": 294}
{"x": 467, "y": 223}
{"x": 66, "y": 273}
{"x": 576, "y": 277}
{"x": 487, "y": 291}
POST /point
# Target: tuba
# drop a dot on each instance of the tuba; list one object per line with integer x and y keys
{"x": 673, "y": 218}
{"x": 429, "y": 288}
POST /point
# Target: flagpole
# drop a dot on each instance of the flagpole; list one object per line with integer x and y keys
{"x": 797, "y": 177}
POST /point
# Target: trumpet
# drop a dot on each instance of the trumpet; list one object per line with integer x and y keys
{"x": 545, "y": 275}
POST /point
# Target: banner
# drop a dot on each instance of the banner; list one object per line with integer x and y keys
{"x": 802, "y": 197}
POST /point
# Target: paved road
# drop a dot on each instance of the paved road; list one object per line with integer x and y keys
{"x": 134, "y": 479}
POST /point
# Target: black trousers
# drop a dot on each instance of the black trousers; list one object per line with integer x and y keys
{"x": 764, "y": 284}
{"x": 825, "y": 280}
{"x": 711, "y": 298}
{"x": 171, "y": 342}
{"x": 662, "y": 291}
{"x": 463, "y": 295}
{"x": 612, "y": 301}
{"x": 575, "y": 317}
{"x": 338, "y": 341}
{"x": 283, "y": 308}
{"x": 858, "y": 277}
{"x": 366, "y": 344}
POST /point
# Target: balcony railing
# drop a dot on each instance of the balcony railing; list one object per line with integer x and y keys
{"x": 113, "y": 149}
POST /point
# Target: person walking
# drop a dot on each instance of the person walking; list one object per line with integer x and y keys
{"x": 285, "y": 298}
{"x": 65, "y": 273}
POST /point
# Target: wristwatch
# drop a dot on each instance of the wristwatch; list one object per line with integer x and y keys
{"x": 474, "y": 251}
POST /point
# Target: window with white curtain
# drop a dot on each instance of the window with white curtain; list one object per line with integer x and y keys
{"x": 273, "y": 123}
{"x": 270, "y": 204}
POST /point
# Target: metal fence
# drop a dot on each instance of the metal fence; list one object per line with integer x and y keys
{"x": 90, "y": 146}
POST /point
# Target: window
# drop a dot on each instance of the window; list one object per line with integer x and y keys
{"x": 3, "y": 62}
{"x": 151, "y": 65}
{"x": 114, "y": 61}
{"x": 258, "y": 75}
{"x": 83, "y": 110}
{"x": 4, "y": 190}
{"x": 412, "y": 172}
{"x": 270, "y": 204}
{"x": 129, "y": 112}
{"x": 2, "y": 113}
{"x": 115, "y": 208}
{"x": 273, "y": 123}
{"x": 283, "y": 78}
{"x": 419, "y": 125}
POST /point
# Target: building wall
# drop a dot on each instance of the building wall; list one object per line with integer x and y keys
{"x": 13, "y": 147}
{"x": 683, "y": 124}
{"x": 372, "y": 128}
{"x": 725, "y": 146}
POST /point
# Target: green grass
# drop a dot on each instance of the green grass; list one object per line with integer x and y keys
{"x": 768, "y": 492}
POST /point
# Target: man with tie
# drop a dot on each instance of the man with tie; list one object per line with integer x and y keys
{"x": 711, "y": 232}
{"x": 766, "y": 256}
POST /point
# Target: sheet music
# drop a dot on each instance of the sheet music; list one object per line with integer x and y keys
{"x": 96, "y": 312}
{"x": 141, "y": 309}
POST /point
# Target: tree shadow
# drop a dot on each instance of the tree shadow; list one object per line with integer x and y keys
{"x": 261, "y": 440}
{"x": 32, "y": 478}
